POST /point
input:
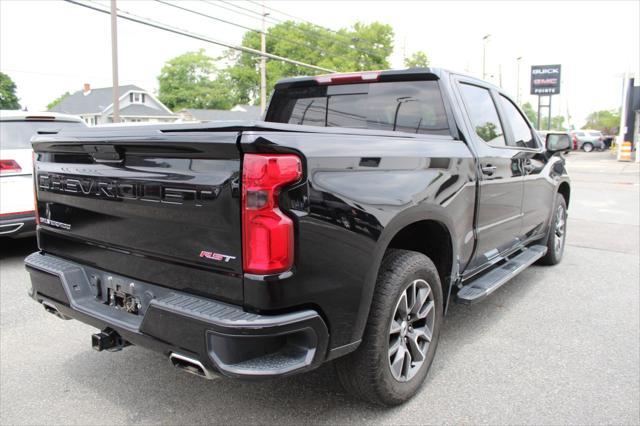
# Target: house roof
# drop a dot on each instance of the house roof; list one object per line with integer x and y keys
{"x": 251, "y": 109}
{"x": 93, "y": 103}
{"x": 220, "y": 114}
{"x": 137, "y": 110}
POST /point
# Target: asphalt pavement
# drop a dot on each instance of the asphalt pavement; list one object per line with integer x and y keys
{"x": 556, "y": 345}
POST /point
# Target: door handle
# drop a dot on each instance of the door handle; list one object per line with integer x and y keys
{"x": 488, "y": 169}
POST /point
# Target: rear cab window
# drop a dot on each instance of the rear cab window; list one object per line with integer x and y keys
{"x": 405, "y": 106}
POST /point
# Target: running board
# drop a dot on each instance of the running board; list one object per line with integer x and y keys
{"x": 481, "y": 287}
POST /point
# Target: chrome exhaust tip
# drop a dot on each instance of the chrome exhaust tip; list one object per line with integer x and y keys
{"x": 192, "y": 366}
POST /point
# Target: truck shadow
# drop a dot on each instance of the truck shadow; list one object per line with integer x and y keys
{"x": 144, "y": 384}
{"x": 18, "y": 248}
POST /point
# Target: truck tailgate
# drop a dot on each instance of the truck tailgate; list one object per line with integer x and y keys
{"x": 158, "y": 206}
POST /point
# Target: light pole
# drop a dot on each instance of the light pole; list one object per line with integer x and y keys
{"x": 518, "y": 81}
{"x": 114, "y": 62}
{"x": 484, "y": 55}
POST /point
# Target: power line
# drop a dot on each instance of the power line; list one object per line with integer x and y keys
{"x": 231, "y": 23}
{"x": 291, "y": 16}
{"x": 154, "y": 24}
{"x": 238, "y": 7}
{"x": 207, "y": 16}
{"x": 217, "y": 4}
{"x": 345, "y": 37}
{"x": 253, "y": 15}
{"x": 345, "y": 41}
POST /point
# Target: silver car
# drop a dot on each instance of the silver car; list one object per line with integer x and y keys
{"x": 588, "y": 140}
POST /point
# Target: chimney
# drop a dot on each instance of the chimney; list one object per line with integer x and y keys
{"x": 86, "y": 88}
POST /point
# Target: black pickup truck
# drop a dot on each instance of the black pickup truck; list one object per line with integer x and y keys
{"x": 340, "y": 228}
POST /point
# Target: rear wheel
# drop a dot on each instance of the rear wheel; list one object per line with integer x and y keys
{"x": 400, "y": 340}
{"x": 557, "y": 233}
{"x": 587, "y": 147}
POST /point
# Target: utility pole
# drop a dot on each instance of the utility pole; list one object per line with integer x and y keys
{"x": 114, "y": 62}
{"x": 263, "y": 63}
{"x": 484, "y": 55}
{"x": 518, "y": 80}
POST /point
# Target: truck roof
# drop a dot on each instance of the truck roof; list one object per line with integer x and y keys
{"x": 429, "y": 73}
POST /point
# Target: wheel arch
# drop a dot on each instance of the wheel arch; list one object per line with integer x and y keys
{"x": 433, "y": 239}
{"x": 396, "y": 235}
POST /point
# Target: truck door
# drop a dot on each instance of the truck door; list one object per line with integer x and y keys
{"x": 501, "y": 186}
{"x": 539, "y": 190}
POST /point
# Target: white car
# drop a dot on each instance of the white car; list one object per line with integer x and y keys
{"x": 17, "y": 217}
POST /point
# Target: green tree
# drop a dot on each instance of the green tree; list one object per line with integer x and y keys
{"x": 557, "y": 122}
{"x": 192, "y": 80}
{"x": 8, "y": 98}
{"x": 417, "y": 60}
{"x": 531, "y": 114}
{"x": 57, "y": 100}
{"x": 607, "y": 121}
{"x": 359, "y": 48}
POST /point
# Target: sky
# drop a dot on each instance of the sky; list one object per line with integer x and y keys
{"x": 50, "y": 47}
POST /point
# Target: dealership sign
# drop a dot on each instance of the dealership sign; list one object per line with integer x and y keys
{"x": 545, "y": 79}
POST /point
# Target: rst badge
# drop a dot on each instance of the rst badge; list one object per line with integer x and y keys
{"x": 216, "y": 256}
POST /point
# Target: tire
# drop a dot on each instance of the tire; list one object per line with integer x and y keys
{"x": 367, "y": 373}
{"x": 587, "y": 147}
{"x": 557, "y": 238}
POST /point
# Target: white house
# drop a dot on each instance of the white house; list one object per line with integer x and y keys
{"x": 95, "y": 106}
{"x": 238, "y": 112}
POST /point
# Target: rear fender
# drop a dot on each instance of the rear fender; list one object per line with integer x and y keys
{"x": 401, "y": 221}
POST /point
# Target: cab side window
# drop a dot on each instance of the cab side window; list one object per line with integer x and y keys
{"x": 522, "y": 133}
{"x": 483, "y": 114}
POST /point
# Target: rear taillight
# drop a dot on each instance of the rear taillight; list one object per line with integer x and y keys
{"x": 9, "y": 166}
{"x": 267, "y": 233}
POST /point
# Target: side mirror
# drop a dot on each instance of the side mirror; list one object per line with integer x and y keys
{"x": 557, "y": 142}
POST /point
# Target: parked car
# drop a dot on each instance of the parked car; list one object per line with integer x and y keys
{"x": 588, "y": 140}
{"x": 16, "y": 166}
{"x": 339, "y": 229}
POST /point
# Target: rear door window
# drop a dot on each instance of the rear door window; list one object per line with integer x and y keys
{"x": 483, "y": 114}
{"x": 407, "y": 106}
